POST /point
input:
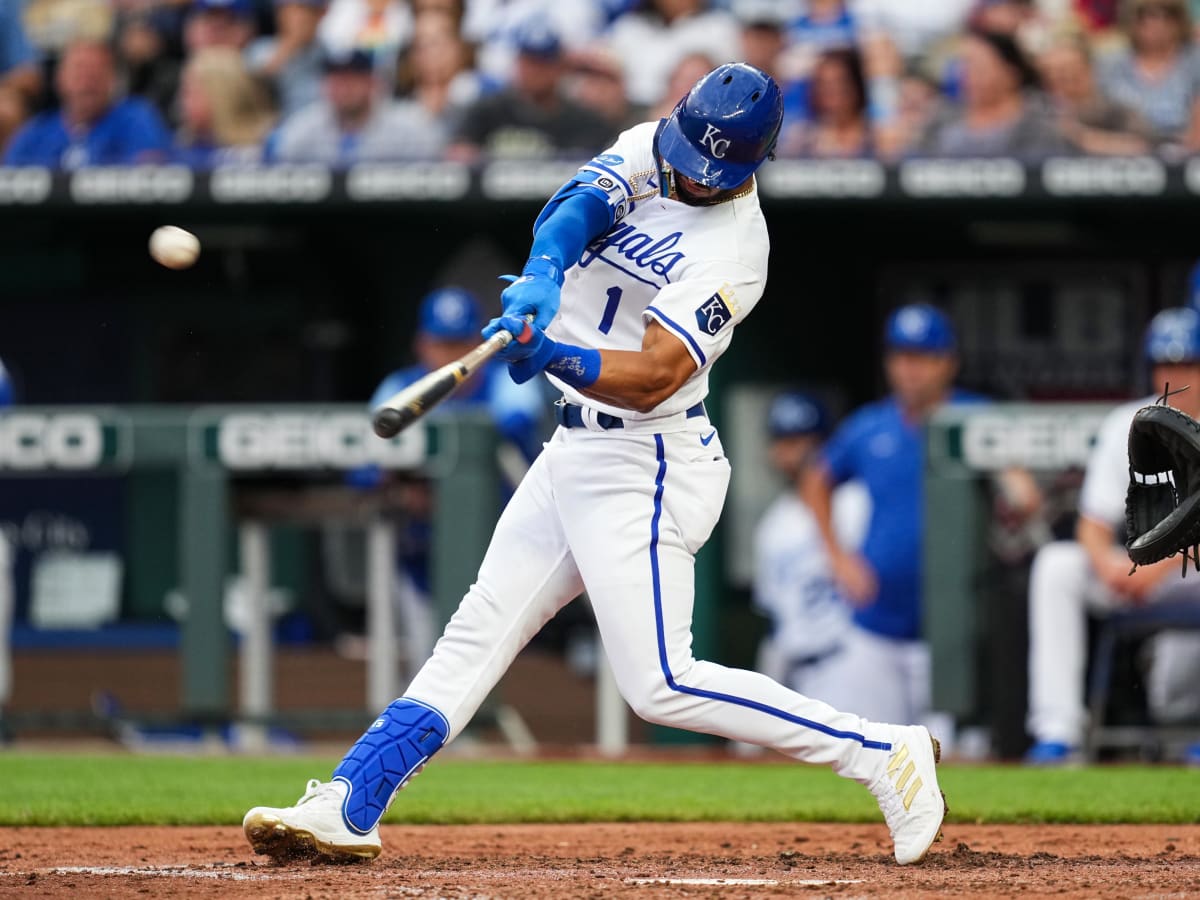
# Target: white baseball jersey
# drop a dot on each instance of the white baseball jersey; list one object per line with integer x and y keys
{"x": 793, "y": 581}
{"x": 1106, "y": 481}
{"x": 697, "y": 271}
{"x": 621, "y": 512}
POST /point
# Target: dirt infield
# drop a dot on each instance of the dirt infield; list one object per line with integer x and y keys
{"x": 488, "y": 862}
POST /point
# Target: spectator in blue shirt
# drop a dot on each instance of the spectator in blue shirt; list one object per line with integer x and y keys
{"x": 92, "y": 127}
{"x": 826, "y": 25}
{"x": 884, "y": 665}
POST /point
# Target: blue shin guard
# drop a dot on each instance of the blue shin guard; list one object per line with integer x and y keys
{"x": 396, "y": 745}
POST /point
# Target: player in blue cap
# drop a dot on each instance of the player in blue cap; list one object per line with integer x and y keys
{"x": 448, "y": 323}
{"x": 793, "y": 582}
{"x": 1091, "y": 574}
{"x": 884, "y": 668}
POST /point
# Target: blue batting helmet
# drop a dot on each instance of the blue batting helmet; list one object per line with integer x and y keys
{"x": 920, "y": 327}
{"x": 725, "y": 127}
{"x": 795, "y": 413}
{"x": 1173, "y": 336}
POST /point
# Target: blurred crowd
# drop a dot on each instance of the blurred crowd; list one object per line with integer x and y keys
{"x": 217, "y": 82}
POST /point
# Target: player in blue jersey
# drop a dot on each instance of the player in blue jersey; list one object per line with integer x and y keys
{"x": 884, "y": 668}
{"x": 448, "y": 326}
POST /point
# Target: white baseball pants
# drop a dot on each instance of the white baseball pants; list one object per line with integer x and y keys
{"x": 622, "y": 513}
{"x": 1062, "y": 589}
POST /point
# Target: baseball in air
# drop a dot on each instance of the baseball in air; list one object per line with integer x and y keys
{"x": 174, "y": 247}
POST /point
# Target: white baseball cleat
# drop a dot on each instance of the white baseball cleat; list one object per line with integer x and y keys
{"x": 907, "y": 790}
{"x": 313, "y": 827}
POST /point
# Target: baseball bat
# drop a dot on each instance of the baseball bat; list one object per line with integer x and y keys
{"x": 414, "y": 401}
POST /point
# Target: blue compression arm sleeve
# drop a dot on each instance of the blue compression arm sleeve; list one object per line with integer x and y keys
{"x": 567, "y": 226}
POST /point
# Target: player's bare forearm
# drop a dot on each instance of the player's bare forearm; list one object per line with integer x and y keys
{"x": 1112, "y": 565}
{"x": 855, "y": 576}
{"x": 642, "y": 379}
{"x": 816, "y": 490}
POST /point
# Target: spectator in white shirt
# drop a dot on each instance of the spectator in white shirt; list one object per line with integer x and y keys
{"x": 914, "y": 26}
{"x": 651, "y": 42}
{"x": 353, "y": 122}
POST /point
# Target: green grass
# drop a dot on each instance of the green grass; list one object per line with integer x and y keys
{"x": 61, "y": 789}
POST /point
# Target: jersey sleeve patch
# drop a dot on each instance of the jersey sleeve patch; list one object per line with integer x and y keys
{"x": 716, "y": 312}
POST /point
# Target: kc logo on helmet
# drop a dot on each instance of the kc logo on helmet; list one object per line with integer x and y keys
{"x": 718, "y": 146}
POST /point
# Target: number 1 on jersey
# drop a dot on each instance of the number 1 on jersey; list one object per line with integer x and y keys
{"x": 610, "y": 309}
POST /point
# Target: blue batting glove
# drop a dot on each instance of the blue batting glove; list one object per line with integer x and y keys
{"x": 512, "y": 324}
{"x": 536, "y": 292}
{"x": 491, "y": 328}
{"x": 528, "y": 352}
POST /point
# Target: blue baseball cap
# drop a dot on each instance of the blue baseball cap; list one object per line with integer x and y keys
{"x": 1173, "y": 336}
{"x": 350, "y": 59}
{"x": 450, "y": 314}
{"x": 535, "y": 37}
{"x": 243, "y": 9}
{"x": 920, "y": 327}
{"x": 795, "y": 413}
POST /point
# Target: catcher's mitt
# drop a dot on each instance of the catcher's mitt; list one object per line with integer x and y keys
{"x": 1162, "y": 505}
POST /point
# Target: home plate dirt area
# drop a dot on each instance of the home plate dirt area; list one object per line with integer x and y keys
{"x": 643, "y": 860}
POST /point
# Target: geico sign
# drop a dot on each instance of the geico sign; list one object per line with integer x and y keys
{"x": 1038, "y": 441}
{"x": 298, "y": 441}
{"x": 37, "y": 441}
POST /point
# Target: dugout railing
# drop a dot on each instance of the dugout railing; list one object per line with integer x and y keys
{"x": 212, "y": 452}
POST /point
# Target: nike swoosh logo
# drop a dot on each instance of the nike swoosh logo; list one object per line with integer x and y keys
{"x": 707, "y": 440}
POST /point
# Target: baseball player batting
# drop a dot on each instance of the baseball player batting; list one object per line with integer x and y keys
{"x": 656, "y": 250}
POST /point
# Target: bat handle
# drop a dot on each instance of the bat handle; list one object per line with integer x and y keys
{"x": 526, "y": 334}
